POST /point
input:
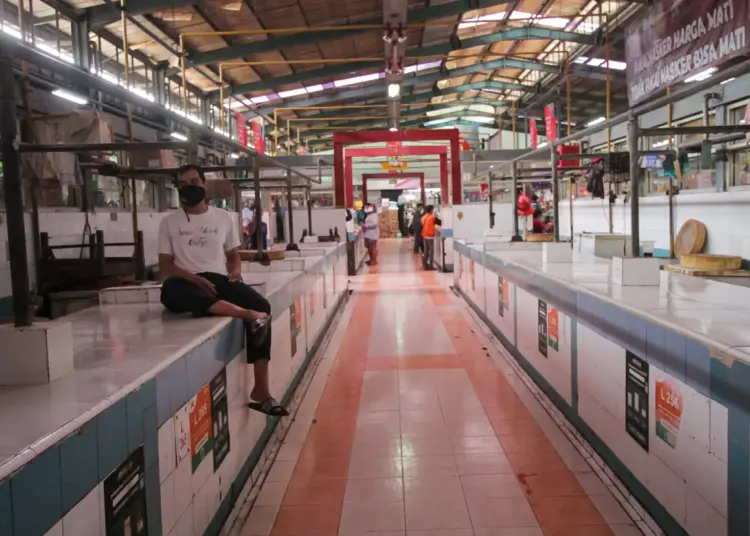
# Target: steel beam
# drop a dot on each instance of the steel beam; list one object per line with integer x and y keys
{"x": 516, "y": 34}
{"x": 103, "y": 14}
{"x": 408, "y": 150}
{"x": 431, "y": 78}
{"x": 435, "y": 12}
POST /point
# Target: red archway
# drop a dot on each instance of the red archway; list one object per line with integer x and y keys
{"x": 405, "y": 175}
{"x": 343, "y": 186}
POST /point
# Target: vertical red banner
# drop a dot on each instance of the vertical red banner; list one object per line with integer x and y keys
{"x": 241, "y": 130}
{"x": 533, "y": 133}
{"x": 258, "y": 137}
{"x": 550, "y": 122}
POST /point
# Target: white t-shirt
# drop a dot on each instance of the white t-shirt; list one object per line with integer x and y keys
{"x": 199, "y": 242}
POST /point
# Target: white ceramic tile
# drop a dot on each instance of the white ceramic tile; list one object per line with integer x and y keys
{"x": 184, "y": 526}
{"x": 85, "y": 518}
{"x": 167, "y": 454}
{"x": 183, "y": 489}
{"x": 168, "y": 504}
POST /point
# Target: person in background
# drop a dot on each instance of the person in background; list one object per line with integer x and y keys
{"x": 252, "y": 237}
{"x": 539, "y": 225}
{"x": 278, "y": 210}
{"x": 372, "y": 233}
{"x": 199, "y": 264}
{"x": 428, "y": 238}
{"x": 416, "y": 228}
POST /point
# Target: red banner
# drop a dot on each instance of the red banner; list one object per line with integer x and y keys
{"x": 550, "y": 122}
{"x": 533, "y": 133}
{"x": 241, "y": 130}
{"x": 394, "y": 148}
{"x": 258, "y": 137}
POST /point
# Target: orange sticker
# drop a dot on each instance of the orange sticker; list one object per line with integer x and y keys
{"x": 552, "y": 329}
{"x": 201, "y": 438}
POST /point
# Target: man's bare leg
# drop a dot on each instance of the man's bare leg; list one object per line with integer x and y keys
{"x": 261, "y": 387}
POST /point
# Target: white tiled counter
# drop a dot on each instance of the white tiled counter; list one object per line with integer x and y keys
{"x": 158, "y": 402}
{"x": 657, "y": 379}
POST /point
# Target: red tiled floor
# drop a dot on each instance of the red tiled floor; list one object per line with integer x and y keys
{"x": 425, "y": 442}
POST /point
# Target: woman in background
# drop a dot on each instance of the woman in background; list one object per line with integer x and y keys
{"x": 372, "y": 233}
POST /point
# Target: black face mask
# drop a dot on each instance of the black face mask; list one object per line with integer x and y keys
{"x": 191, "y": 194}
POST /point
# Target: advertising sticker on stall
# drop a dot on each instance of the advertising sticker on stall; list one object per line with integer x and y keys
{"x": 311, "y": 300}
{"x": 542, "y": 323}
{"x": 501, "y": 296}
{"x": 552, "y": 323}
{"x": 471, "y": 274}
{"x": 182, "y": 433}
{"x": 201, "y": 440}
{"x": 668, "y": 410}
{"x": 125, "y": 498}
{"x": 220, "y": 417}
{"x": 293, "y": 327}
{"x": 636, "y": 399}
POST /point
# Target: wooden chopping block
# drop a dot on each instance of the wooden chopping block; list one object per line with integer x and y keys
{"x": 275, "y": 255}
{"x": 691, "y": 238}
{"x": 710, "y": 262}
{"x": 539, "y": 238}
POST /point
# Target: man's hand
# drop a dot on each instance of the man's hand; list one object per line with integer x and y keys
{"x": 235, "y": 277}
{"x": 205, "y": 284}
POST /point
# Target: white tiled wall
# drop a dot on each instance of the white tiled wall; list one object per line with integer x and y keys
{"x": 556, "y": 367}
{"x": 690, "y": 480}
{"x": 722, "y": 213}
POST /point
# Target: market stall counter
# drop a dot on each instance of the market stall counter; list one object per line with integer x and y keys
{"x": 151, "y": 433}
{"x": 655, "y": 378}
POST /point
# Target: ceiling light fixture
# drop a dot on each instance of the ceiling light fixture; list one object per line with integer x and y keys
{"x": 179, "y": 136}
{"x": 72, "y": 97}
{"x": 596, "y": 121}
{"x": 394, "y": 91}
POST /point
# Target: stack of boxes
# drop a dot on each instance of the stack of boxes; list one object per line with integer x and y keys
{"x": 388, "y": 220}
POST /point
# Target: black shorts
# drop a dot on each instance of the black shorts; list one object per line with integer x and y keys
{"x": 182, "y": 296}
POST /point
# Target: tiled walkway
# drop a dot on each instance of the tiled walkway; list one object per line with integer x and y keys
{"x": 418, "y": 432}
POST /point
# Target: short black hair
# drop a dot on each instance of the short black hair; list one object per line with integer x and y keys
{"x": 419, "y": 205}
{"x": 429, "y": 208}
{"x": 190, "y": 167}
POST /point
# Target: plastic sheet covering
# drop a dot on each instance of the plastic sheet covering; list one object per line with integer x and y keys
{"x": 57, "y": 171}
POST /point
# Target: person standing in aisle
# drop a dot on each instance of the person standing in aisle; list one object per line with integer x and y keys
{"x": 416, "y": 229}
{"x": 278, "y": 209}
{"x": 199, "y": 264}
{"x": 372, "y": 233}
{"x": 428, "y": 238}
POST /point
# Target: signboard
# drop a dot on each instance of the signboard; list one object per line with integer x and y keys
{"x": 542, "y": 327}
{"x": 533, "y": 133}
{"x": 201, "y": 442}
{"x": 747, "y": 120}
{"x": 677, "y": 39}
{"x": 241, "y": 130}
{"x": 668, "y": 411}
{"x": 259, "y": 137}
{"x": 636, "y": 399}
{"x": 394, "y": 165}
{"x": 125, "y": 498}
{"x": 220, "y": 418}
{"x": 550, "y": 122}
{"x": 552, "y": 329}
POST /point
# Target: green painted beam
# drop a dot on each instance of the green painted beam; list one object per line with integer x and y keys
{"x": 516, "y": 34}
{"x": 435, "y": 12}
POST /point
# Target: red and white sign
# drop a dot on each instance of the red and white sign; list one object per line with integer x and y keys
{"x": 533, "y": 133}
{"x": 258, "y": 137}
{"x": 241, "y": 130}
{"x": 550, "y": 122}
{"x": 394, "y": 148}
{"x": 463, "y": 144}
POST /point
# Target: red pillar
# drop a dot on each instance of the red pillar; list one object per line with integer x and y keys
{"x": 349, "y": 191}
{"x": 444, "y": 179}
{"x": 338, "y": 175}
{"x": 421, "y": 186}
{"x": 458, "y": 194}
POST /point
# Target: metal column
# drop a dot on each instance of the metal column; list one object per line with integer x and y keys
{"x": 291, "y": 246}
{"x": 13, "y": 186}
{"x": 261, "y": 256}
{"x": 514, "y": 197}
{"x": 555, "y": 193}
{"x": 490, "y": 192}
{"x": 635, "y": 176}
